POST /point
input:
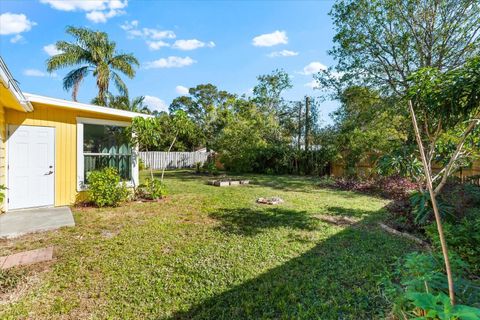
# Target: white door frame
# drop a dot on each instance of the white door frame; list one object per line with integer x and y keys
{"x": 10, "y": 129}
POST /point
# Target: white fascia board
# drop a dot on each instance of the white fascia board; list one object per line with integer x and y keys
{"x": 83, "y": 106}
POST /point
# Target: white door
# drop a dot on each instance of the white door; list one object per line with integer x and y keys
{"x": 31, "y": 166}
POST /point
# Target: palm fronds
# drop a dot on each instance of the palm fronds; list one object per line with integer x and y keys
{"x": 96, "y": 54}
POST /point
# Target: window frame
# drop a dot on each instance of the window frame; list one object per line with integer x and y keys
{"x": 81, "y": 186}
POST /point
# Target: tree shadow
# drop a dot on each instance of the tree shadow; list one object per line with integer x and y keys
{"x": 287, "y": 183}
{"x": 338, "y": 278}
{"x": 249, "y": 222}
{"x": 349, "y": 212}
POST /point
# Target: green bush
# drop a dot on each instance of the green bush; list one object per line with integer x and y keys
{"x": 141, "y": 165}
{"x": 209, "y": 166}
{"x": 105, "y": 188}
{"x": 422, "y": 207}
{"x": 463, "y": 238}
{"x": 198, "y": 167}
{"x": 152, "y": 189}
{"x": 418, "y": 288}
{"x": 2, "y": 193}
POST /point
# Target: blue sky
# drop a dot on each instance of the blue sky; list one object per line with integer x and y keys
{"x": 178, "y": 43}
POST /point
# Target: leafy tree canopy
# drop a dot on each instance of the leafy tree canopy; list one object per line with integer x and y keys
{"x": 381, "y": 42}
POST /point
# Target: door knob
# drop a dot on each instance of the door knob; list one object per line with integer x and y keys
{"x": 49, "y": 173}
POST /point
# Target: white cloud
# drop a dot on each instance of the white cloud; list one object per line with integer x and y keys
{"x": 11, "y": 23}
{"x": 133, "y": 31}
{"x": 153, "y": 37}
{"x": 192, "y": 44}
{"x": 117, "y": 4}
{"x": 155, "y": 103}
{"x": 170, "y": 62}
{"x": 270, "y": 39}
{"x": 156, "y": 45}
{"x": 129, "y": 25}
{"x": 51, "y": 50}
{"x": 38, "y": 73}
{"x": 181, "y": 90}
{"x": 314, "y": 84}
{"x": 313, "y": 67}
{"x": 283, "y": 53}
{"x": 16, "y": 38}
{"x": 98, "y": 11}
{"x": 103, "y": 16}
{"x": 156, "y": 34}
{"x": 74, "y": 5}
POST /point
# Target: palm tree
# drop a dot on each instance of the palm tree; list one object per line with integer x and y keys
{"x": 123, "y": 102}
{"x": 95, "y": 54}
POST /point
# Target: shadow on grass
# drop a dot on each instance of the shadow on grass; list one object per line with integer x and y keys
{"x": 336, "y": 279}
{"x": 249, "y": 222}
{"x": 349, "y": 212}
{"x": 283, "y": 182}
{"x": 286, "y": 183}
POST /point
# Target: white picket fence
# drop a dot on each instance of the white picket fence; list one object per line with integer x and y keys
{"x": 172, "y": 160}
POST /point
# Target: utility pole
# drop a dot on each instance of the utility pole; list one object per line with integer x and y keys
{"x": 299, "y": 142}
{"x": 307, "y": 122}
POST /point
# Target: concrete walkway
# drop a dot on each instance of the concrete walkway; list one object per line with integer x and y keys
{"x": 20, "y": 222}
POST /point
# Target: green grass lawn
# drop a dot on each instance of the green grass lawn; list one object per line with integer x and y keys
{"x": 213, "y": 253}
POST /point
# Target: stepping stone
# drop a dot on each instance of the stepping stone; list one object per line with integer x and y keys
{"x": 26, "y": 258}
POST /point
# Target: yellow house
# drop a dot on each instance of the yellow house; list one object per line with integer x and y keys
{"x": 48, "y": 146}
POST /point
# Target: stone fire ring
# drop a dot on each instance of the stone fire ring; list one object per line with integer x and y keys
{"x": 226, "y": 183}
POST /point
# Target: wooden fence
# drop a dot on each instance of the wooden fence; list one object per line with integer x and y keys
{"x": 366, "y": 169}
{"x": 172, "y": 160}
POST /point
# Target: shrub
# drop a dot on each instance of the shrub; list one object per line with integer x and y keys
{"x": 105, "y": 188}
{"x": 198, "y": 167}
{"x": 152, "y": 189}
{"x": 418, "y": 288}
{"x": 210, "y": 166}
{"x": 422, "y": 207}
{"x": 403, "y": 162}
{"x": 463, "y": 238}
{"x": 141, "y": 165}
{"x": 461, "y": 197}
{"x": 2, "y": 192}
{"x": 456, "y": 201}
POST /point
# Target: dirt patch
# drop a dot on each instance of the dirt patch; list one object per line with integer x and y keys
{"x": 16, "y": 283}
{"x": 337, "y": 220}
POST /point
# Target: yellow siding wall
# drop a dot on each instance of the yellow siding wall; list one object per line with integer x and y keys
{"x": 65, "y": 123}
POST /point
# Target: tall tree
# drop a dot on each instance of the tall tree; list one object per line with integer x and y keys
{"x": 268, "y": 92}
{"x": 381, "y": 42}
{"x": 207, "y": 107}
{"x": 92, "y": 52}
{"x": 144, "y": 133}
{"x": 179, "y": 124}
{"x": 366, "y": 125}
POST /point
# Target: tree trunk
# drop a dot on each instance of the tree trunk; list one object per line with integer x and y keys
{"x": 428, "y": 176}
{"x": 150, "y": 166}
{"x": 169, "y": 148}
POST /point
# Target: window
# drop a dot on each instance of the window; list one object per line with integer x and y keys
{"x": 101, "y": 144}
